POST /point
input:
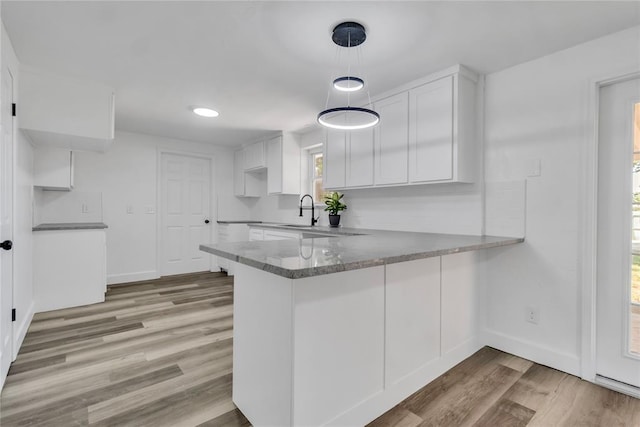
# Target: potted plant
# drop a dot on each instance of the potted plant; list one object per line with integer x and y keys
{"x": 334, "y": 206}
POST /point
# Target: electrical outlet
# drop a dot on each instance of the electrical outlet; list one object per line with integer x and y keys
{"x": 532, "y": 314}
{"x": 129, "y": 209}
{"x": 85, "y": 208}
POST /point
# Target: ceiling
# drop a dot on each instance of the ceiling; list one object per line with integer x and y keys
{"x": 266, "y": 65}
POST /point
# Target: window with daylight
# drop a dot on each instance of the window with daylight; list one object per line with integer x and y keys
{"x": 315, "y": 175}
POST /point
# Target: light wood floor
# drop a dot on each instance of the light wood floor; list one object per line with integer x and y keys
{"x": 158, "y": 353}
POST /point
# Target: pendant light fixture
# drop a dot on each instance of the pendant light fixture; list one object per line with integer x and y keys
{"x": 348, "y": 35}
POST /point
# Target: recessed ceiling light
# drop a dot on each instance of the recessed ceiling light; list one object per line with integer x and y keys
{"x": 205, "y": 112}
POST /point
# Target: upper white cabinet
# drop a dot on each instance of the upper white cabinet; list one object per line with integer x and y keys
{"x": 350, "y": 159}
{"x": 53, "y": 169}
{"x": 254, "y": 156}
{"x": 427, "y": 134}
{"x": 63, "y": 112}
{"x": 392, "y": 140}
{"x": 442, "y": 133}
{"x": 359, "y": 162}
{"x": 283, "y": 165}
{"x": 244, "y": 184}
{"x": 334, "y": 159}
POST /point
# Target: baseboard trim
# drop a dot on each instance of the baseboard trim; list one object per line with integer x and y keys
{"x": 565, "y": 362}
{"x": 22, "y": 329}
{"x": 113, "y": 279}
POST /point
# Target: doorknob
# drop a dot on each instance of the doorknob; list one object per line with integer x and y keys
{"x": 6, "y": 245}
{"x": 206, "y": 221}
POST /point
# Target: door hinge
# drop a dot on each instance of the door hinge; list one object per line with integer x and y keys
{"x": 13, "y": 109}
{"x": 13, "y": 314}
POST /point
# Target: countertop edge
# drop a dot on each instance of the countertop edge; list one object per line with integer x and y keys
{"x": 70, "y": 226}
{"x": 338, "y": 268}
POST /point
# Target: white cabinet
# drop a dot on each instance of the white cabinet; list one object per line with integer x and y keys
{"x": 53, "y": 169}
{"x": 254, "y": 156}
{"x": 68, "y": 113}
{"x": 392, "y": 140}
{"x": 412, "y": 327}
{"x": 280, "y": 235}
{"x": 244, "y": 184}
{"x": 231, "y": 233}
{"x": 334, "y": 160}
{"x": 349, "y": 159}
{"x": 70, "y": 268}
{"x": 256, "y": 234}
{"x": 427, "y": 134}
{"x": 442, "y": 131}
{"x": 359, "y": 161}
{"x": 283, "y": 165}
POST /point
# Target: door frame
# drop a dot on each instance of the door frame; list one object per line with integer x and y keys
{"x": 213, "y": 201}
{"x": 588, "y": 227}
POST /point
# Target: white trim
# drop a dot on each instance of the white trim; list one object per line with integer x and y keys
{"x": 21, "y": 330}
{"x": 525, "y": 349}
{"x": 617, "y": 386}
{"x": 213, "y": 201}
{"x": 113, "y": 279}
{"x": 588, "y": 222}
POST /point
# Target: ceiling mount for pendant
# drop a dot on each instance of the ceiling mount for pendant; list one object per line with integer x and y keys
{"x": 349, "y": 34}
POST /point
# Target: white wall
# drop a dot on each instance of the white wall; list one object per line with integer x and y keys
{"x": 127, "y": 175}
{"x": 23, "y": 201}
{"x": 539, "y": 111}
{"x": 440, "y": 208}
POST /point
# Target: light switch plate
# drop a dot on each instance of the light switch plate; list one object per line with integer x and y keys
{"x": 535, "y": 167}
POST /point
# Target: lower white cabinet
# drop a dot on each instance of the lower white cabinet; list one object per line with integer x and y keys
{"x": 256, "y": 234}
{"x": 280, "y": 235}
{"x": 340, "y": 349}
{"x": 69, "y": 268}
{"x": 231, "y": 233}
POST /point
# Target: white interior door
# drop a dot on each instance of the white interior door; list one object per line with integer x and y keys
{"x": 617, "y": 340}
{"x": 6, "y": 225}
{"x": 185, "y": 217}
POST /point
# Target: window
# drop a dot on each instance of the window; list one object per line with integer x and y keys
{"x": 315, "y": 174}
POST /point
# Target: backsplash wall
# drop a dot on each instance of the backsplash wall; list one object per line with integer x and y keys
{"x": 439, "y": 208}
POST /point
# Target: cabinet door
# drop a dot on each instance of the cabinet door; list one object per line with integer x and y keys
{"x": 431, "y": 131}
{"x": 391, "y": 140}
{"x": 256, "y": 234}
{"x": 53, "y": 168}
{"x": 359, "y": 162}
{"x": 334, "y": 160}
{"x": 254, "y": 157}
{"x": 274, "y": 165}
{"x": 238, "y": 173}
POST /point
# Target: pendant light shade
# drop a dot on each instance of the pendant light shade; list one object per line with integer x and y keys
{"x": 348, "y": 118}
{"x": 348, "y": 35}
{"x": 348, "y": 84}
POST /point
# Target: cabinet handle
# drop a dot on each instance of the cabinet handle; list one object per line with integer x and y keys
{"x": 206, "y": 221}
{"x": 6, "y": 245}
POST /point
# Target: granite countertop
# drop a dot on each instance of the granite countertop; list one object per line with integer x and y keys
{"x": 70, "y": 226}
{"x": 347, "y": 249}
{"x": 238, "y": 222}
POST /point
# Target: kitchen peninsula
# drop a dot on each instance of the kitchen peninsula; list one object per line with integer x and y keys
{"x": 336, "y": 330}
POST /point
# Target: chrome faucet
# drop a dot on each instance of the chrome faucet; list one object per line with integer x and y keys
{"x": 313, "y": 219}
